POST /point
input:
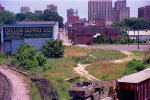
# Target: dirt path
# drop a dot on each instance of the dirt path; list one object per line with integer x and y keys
{"x": 20, "y": 88}
{"x": 130, "y": 57}
{"x": 80, "y": 69}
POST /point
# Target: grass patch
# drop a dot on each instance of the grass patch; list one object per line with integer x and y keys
{"x": 60, "y": 69}
{"x": 107, "y": 54}
{"x": 5, "y": 59}
{"x": 140, "y": 55}
{"x": 106, "y": 70}
{"x": 34, "y": 93}
{"x": 76, "y": 51}
{"x": 83, "y": 59}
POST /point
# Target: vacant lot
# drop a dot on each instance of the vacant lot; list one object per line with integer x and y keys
{"x": 61, "y": 69}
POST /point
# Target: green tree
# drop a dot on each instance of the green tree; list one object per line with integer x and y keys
{"x": 7, "y": 17}
{"x": 99, "y": 39}
{"x": 53, "y": 48}
{"x": 20, "y": 17}
{"x": 136, "y": 23}
{"x": 31, "y": 17}
{"x": 53, "y": 16}
{"x": 27, "y": 57}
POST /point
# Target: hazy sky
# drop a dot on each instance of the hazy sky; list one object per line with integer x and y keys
{"x": 63, "y": 5}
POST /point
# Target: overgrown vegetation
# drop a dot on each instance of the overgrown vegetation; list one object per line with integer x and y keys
{"x": 101, "y": 39}
{"x": 7, "y": 17}
{"x": 53, "y": 49}
{"x": 27, "y": 57}
{"x": 134, "y": 66}
{"x": 83, "y": 59}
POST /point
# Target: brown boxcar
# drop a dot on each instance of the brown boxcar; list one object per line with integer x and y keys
{"x": 135, "y": 86}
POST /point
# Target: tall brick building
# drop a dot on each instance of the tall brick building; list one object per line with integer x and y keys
{"x": 121, "y": 11}
{"x": 72, "y": 16}
{"x": 144, "y": 12}
{"x": 101, "y": 8}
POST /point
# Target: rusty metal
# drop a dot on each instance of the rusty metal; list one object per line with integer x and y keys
{"x": 92, "y": 90}
{"x": 5, "y": 87}
{"x": 82, "y": 90}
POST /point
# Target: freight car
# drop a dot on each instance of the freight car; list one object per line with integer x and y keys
{"x": 92, "y": 90}
{"x": 135, "y": 86}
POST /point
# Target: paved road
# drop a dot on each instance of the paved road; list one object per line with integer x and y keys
{"x": 5, "y": 88}
{"x": 120, "y": 47}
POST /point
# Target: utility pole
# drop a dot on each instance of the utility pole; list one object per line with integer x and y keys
{"x": 138, "y": 41}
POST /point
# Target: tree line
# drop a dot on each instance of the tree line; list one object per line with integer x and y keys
{"x": 133, "y": 24}
{"x": 9, "y": 18}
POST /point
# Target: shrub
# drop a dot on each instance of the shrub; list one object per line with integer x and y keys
{"x": 28, "y": 57}
{"x": 134, "y": 66}
{"x": 54, "y": 49}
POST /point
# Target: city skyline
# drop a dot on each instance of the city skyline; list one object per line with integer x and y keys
{"x": 63, "y": 5}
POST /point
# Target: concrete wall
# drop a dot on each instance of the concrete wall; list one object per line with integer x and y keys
{"x": 36, "y": 42}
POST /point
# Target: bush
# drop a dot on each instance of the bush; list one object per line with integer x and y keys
{"x": 54, "y": 49}
{"x": 28, "y": 57}
{"x": 134, "y": 66}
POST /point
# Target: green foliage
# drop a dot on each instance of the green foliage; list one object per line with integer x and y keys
{"x": 136, "y": 23}
{"x": 105, "y": 76}
{"x": 99, "y": 39}
{"x": 31, "y": 17}
{"x": 83, "y": 59}
{"x": 7, "y": 17}
{"x": 28, "y": 57}
{"x": 20, "y": 17}
{"x": 54, "y": 49}
{"x": 53, "y": 16}
{"x": 134, "y": 66}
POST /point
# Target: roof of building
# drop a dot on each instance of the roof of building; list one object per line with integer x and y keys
{"x": 36, "y": 22}
{"x": 143, "y": 32}
{"x": 136, "y": 77}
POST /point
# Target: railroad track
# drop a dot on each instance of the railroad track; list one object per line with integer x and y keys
{"x": 5, "y": 88}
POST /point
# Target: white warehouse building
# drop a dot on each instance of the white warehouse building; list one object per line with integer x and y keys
{"x": 34, "y": 33}
{"x": 144, "y": 35}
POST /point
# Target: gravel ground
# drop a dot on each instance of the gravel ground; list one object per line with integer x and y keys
{"x": 20, "y": 88}
{"x": 120, "y": 47}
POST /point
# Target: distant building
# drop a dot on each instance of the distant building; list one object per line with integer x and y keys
{"x": 25, "y": 9}
{"x": 84, "y": 34}
{"x": 121, "y": 11}
{"x": 100, "y": 8}
{"x": 72, "y": 12}
{"x": 144, "y": 12}
{"x": 1, "y": 8}
{"x": 52, "y": 7}
{"x": 144, "y": 35}
{"x": 38, "y": 12}
{"x": 33, "y": 32}
{"x": 72, "y": 16}
{"x": 63, "y": 36}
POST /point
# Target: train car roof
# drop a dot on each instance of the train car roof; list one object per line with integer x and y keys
{"x": 136, "y": 77}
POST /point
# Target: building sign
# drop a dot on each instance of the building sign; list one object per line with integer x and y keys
{"x": 27, "y": 32}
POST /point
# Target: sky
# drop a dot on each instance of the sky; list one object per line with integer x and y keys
{"x": 63, "y": 5}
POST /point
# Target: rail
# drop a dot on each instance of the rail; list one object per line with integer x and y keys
{"x": 45, "y": 87}
{"x": 5, "y": 87}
